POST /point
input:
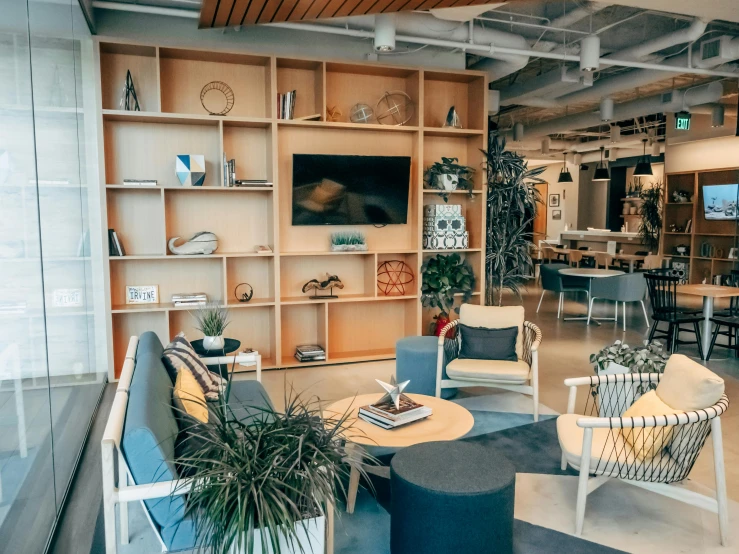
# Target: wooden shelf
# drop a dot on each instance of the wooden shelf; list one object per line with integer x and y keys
{"x": 678, "y": 203}
{"x": 344, "y": 298}
{"x": 438, "y": 192}
{"x": 192, "y": 256}
{"x": 347, "y": 253}
{"x": 192, "y": 189}
{"x": 451, "y": 132}
{"x": 344, "y": 126}
{"x": 452, "y": 250}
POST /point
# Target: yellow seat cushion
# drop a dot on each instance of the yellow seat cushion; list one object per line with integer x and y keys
{"x": 490, "y": 370}
{"x": 495, "y": 317}
{"x": 648, "y": 442}
{"x": 189, "y": 396}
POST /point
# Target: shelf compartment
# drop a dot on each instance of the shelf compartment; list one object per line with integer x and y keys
{"x": 240, "y": 222}
{"x": 347, "y": 85}
{"x": 184, "y": 73}
{"x": 428, "y": 323}
{"x": 142, "y": 150}
{"x": 138, "y": 219}
{"x": 474, "y": 257}
{"x": 115, "y": 61}
{"x": 467, "y": 149}
{"x": 464, "y": 91}
{"x": 258, "y": 272}
{"x": 125, "y": 325}
{"x": 172, "y": 276}
{"x": 472, "y": 210}
{"x": 306, "y": 78}
{"x": 357, "y": 273}
{"x": 389, "y": 321}
{"x": 251, "y": 147}
{"x": 411, "y": 260}
{"x": 303, "y": 324}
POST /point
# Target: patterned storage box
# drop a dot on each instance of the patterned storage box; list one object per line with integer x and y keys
{"x": 446, "y": 240}
{"x": 443, "y": 224}
{"x": 442, "y": 210}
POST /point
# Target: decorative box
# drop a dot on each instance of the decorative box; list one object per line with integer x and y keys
{"x": 446, "y": 240}
{"x": 681, "y": 270}
{"x": 442, "y": 210}
{"x": 443, "y": 223}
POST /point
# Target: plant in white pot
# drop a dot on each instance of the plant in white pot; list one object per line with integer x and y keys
{"x": 263, "y": 484}
{"x": 212, "y": 320}
{"x": 448, "y": 175}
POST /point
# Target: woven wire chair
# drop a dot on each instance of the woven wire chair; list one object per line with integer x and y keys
{"x": 603, "y": 452}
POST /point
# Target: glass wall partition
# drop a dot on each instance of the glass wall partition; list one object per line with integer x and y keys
{"x": 52, "y": 347}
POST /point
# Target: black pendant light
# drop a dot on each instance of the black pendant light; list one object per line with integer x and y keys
{"x": 564, "y": 174}
{"x": 601, "y": 171}
{"x": 644, "y": 167}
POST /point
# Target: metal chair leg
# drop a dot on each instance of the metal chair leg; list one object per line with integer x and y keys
{"x": 540, "y": 299}
{"x": 559, "y": 308}
{"x": 713, "y": 341}
{"x": 698, "y": 338}
{"x": 624, "y": 313}
{"x": 590, "y": 309}
{"x": 644, "y": 309}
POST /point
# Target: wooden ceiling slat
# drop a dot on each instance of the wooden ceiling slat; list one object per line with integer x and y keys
{"x": 284, "y": 11}
{"x": 300, "y": 8}
{"x": 396, "y": 6}
{"x": 330, "y": 9}
{"x": 315, "y": 9}
{"x": 428, "y": 4}
{"x": 412, "y": 5}
{"x": 445, "y": 4}
{"x": 347, "y": 8}
{"x": 379, "y": 7}
{"x": 207, "y": 12}
{"x": 252, "y": 14}
{"x": 239, "y": 11}
{"x": 363, "y": 6}
{"x": 224, "y": 13}
{"x": 269, "y": 11}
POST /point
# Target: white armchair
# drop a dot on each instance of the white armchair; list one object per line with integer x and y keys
{"x": 519, "y": 376}
{"x": 597, "y": 447}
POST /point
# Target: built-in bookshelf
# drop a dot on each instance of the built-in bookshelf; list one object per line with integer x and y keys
{"x": 710, "y": 242}
{"x": 361, "y": 324}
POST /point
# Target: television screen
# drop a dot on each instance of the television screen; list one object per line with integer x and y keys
{"x": 719, "y": 201}
{"x": 350, "y": 190}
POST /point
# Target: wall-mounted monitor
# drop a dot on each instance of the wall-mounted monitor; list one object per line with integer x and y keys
{"x": 350, "y": 190}
{"x": 720, "y": 201}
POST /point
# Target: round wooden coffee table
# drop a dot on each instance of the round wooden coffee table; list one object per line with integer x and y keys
{"x": 448, "y": 421}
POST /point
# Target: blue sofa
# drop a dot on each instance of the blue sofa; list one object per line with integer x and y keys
{"x": 150, "y": 433}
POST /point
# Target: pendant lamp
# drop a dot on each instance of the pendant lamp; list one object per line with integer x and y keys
{"x": 644, "y": 167}
{"x": 601, "y": 171}
{"x": 564, "y": 174}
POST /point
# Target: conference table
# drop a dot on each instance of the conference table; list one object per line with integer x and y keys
{"x": 631, "y": 258}
{"x": 588, "y": 273}
{"x": 709, "y": 293}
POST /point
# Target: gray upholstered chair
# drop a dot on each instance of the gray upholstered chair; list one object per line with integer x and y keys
{"x": 553, "y": 280}
{"x": 630, "y": 287}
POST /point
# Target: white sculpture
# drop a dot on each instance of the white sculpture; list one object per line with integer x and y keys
{"x": 203, "y": 242}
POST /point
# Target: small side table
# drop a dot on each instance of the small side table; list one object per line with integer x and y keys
{"x": 230, "y": 345}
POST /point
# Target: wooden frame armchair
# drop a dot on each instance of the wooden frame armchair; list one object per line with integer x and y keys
{"x": 520, "y": 376}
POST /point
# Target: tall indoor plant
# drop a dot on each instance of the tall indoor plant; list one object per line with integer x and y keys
{"x": 511, "y": 209}
{"x": 445, "y": 276}
{"x": 650, "y": 225}
{"x": 212, "y": 320}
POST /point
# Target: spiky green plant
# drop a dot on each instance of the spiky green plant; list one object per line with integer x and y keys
{"x": 347, "y": 238}
{"x": 212, "y": 319}
{"x": 443, "y": 277}
{"x": 511, "y": 206}
{"x": 650, "y": 224}
{"x": 263, "y": 476}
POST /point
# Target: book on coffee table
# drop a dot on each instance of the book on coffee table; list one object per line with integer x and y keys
{"x": 386, "y": 415}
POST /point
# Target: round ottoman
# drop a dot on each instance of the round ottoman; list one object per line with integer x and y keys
{"x": 415, "y": 360}
{"x": 451, "y": 497}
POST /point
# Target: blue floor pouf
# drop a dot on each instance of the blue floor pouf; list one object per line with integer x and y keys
{"x": 416, "y": 361}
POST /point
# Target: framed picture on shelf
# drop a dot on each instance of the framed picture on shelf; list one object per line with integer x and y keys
{"x": 556, "y": 215}
{"x": 554, "y": 200}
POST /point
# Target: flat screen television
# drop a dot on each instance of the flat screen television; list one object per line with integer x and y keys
{"x": 350, "y": 190}
{"x": 720, "y": 201}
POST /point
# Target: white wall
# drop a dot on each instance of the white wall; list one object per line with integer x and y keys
{"x": 703, "y": 147}
{"x": 568, "y": 199}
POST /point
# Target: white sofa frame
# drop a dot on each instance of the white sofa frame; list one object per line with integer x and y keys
{"x": 588, "y": 484}
{"x": 531, "y": 342}
{"x": 118, "y": 485}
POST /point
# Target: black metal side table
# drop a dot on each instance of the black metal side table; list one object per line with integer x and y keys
{"x": 229, "y": 346}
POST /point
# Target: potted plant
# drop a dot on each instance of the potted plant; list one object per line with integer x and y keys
{"x": 348, "y": 241}
{"x": 448, "y": 175}
{"x": 650, "y": 225}
{"x": 263, "y": 484}
{"x": 445, "y": 276}
{"x": 212, "y": 320}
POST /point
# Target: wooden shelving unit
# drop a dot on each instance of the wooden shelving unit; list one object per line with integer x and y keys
{"x": 721, "y": 236}
{"x": 360, "y": 325}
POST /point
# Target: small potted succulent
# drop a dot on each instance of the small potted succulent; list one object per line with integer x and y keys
{"x": 445, "y": 276}
{"x": 448, "y": 175}
{"x": 212, "y": 320}
{"x": 348, "y": 241}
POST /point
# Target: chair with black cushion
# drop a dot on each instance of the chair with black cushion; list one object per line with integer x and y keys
{"x": 630, "y": 287}
{"x": 663, "y": 296}
{"x": 553, "y": 280}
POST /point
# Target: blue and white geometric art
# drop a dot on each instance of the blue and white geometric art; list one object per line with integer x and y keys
{"x": 190, "y": 169}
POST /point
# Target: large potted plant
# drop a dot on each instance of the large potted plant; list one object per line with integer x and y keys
{"x": 449, "y": 175}
{"x": 445, "y": 277}
{"x": 262, "y": 484}
{"x": 512, "y": 203}
{"x": 212, "y": 320}
{"x": 650, "y": 225}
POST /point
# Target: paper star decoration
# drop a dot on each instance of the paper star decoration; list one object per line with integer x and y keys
{"x": 394, "y": 391}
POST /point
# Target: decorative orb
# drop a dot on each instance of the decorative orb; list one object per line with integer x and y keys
{"x": 393, "y": 276}
{"x": 395, "y": 108}
{"x": 362, "y": 113}
{"x": 217, "y": 98}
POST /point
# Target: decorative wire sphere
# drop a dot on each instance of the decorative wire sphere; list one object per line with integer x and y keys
{"x": 361, "y": 113}
{"x": 220, "y": 99}
{"x": 243, "y": 292}
{"x": 395, "y": 108}
{"x": 393, "y": 276}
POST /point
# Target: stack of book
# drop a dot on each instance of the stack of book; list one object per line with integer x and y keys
{"x": 140, "y": 182}
{"x": 253, "y": 183}
{"x": 115, "y": 248}
{"x": 309, "y": 353}
{"x": 286, "y": 105}
{"x": 189, "y": 299}
{"x": 387, "y": 416}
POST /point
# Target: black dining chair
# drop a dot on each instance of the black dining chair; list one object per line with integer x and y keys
{"x": 728, "y": 319}
{"x": 663, "y": 297}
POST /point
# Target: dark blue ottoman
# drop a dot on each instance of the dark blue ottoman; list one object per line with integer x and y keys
{"x": 451, "y": 497}
{"x": 415, "y": 360}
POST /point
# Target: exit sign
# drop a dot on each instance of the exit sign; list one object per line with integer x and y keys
{"x": 682, "y": 121}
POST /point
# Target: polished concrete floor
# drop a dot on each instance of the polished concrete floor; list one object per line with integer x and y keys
{"x": 564, "y": 353}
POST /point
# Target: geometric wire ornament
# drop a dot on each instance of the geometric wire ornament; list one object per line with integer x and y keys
{"x": 361, "y": 113}
{"x": 129, "y": 100}
{"x": 393, "y": 276}
{"x": 220, "y": 100}
{"x": 395, "y": 107}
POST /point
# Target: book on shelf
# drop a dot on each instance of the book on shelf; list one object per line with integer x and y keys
{"x": 140, "y": 182}
{"x": 193, "y": 303}
{"x": 387, "y": 416}
{"x": 179, "y": 296}
{"x": 115, "y": 247}
{"x": 310, "y": 353}
{"x": 286, "y": 104}
{"x": 253, "y": 183}
{"x": 263, "y": 249}
{"x": 318, "y": 358}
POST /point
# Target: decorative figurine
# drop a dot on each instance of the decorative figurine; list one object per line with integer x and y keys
{"x": 329, "y": 283}
{"x": 129, "y": 100}
{"x": 203, "y": 242}
{"x": 452, "y": 119}
{"x": 244, "y": 292}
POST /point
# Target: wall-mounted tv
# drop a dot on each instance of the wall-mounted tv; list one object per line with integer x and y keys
{"x": 720, "y": 201}
{"x": 350, "y": 190}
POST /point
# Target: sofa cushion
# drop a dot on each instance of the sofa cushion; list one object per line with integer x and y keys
{"x": 494, "y": 370}
{"x": 687, "y": 385}
{"x": 188, "y": 397}
{"x": 180, "y": 353}
{"x": 481, "y": 343}
{"x": 248, "y": 399}
{"x": 150, "y": 430}
{"x": 495, "y": 317}
{"x": 648, "y": 442}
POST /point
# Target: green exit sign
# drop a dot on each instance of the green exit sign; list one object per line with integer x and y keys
{"x": 682, "y": 121}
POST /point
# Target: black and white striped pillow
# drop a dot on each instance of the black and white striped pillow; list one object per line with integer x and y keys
{"x": 180, "y": 354}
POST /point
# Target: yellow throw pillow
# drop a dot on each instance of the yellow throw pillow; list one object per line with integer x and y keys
{"x": 648, "y": 442}
{"x": 190, "y": 395}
